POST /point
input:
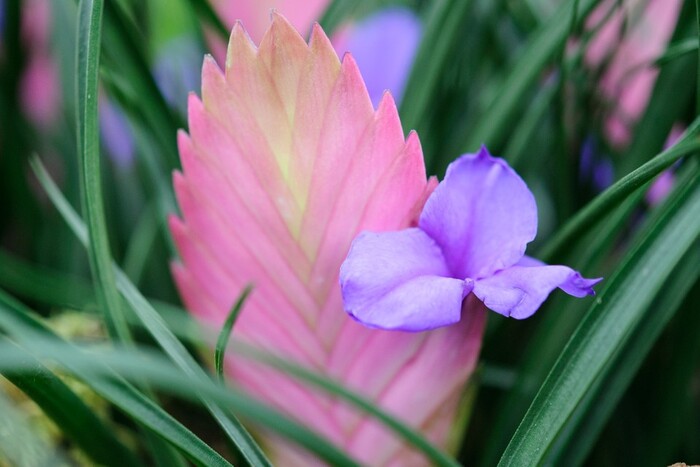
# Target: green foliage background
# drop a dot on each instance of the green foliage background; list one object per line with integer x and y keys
{"x": 610, "y": 381}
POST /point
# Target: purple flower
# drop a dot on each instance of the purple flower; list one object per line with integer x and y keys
{"x": 471, "y": 238}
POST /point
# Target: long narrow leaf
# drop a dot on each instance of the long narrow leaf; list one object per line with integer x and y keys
{"x": 225, "y": 334}
{"x": 89, "y": 34}
{"x": 606, "y": 329}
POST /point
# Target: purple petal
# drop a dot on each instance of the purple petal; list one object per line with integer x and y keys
{"x": 399, "y": 280}
{"x": 384, "y": 45}
{"x": 482, "y": 216}
{"x": 519, "y": 291}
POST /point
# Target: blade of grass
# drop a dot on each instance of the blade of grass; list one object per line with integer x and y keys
{"x": 89, "y": 36}
{"x": 606, "y": 329}
{"x": 126, "y": 61}
{"x": 596, "y": 209}
{"x": 676, "y": 50}
{"x": 155, "y": 325}
{"x": 676, "y": 405}
{"x": 225, "y": 334}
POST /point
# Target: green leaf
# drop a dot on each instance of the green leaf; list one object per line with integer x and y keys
{"x": 225, "y": 334}
{"x": 43, "y": 284}
{"x": 336, "y": 12}
{"x": 697, "y": 77}
{"x": 607, "y": 328}
{"x": 560, "y": 318}
{"x": 597, "y": 407}
{"x": 89, "y": 33}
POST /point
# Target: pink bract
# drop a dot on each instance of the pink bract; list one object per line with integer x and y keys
{"x": 629, "y": 78}
{"x": 285, "y": 163}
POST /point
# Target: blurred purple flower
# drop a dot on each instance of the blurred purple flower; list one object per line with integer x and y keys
{"x": 117, "y": 136}
{"x": 384, "y": 46}
{"x": 471, "y": 238}
{"x": 176, "y": 70}
{"x": 595, "y": 168}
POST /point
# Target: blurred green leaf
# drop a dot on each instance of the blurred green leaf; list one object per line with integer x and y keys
{"x": 19, "y": 443}
{"x": 444, "y": 24}
{"x": 75, "y": 419}
{"x": 542, "y": 47}
{"x": 26, "y": 329}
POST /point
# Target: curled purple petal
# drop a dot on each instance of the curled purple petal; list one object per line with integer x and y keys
{"x": 399, "y": 280}
{"x": 482, "y": 216}
{"x": 519, "y": 291}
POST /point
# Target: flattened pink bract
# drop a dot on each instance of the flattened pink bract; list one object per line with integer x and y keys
{"x": 285, "y": 163}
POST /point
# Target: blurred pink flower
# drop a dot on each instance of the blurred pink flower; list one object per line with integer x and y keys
{"x": 39, "y": 89}
{"x": 286, "y": 162}
{"x": 634, "y": 35}
{"x": 663, "y": 184}
{"x": 255, "y": 16}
